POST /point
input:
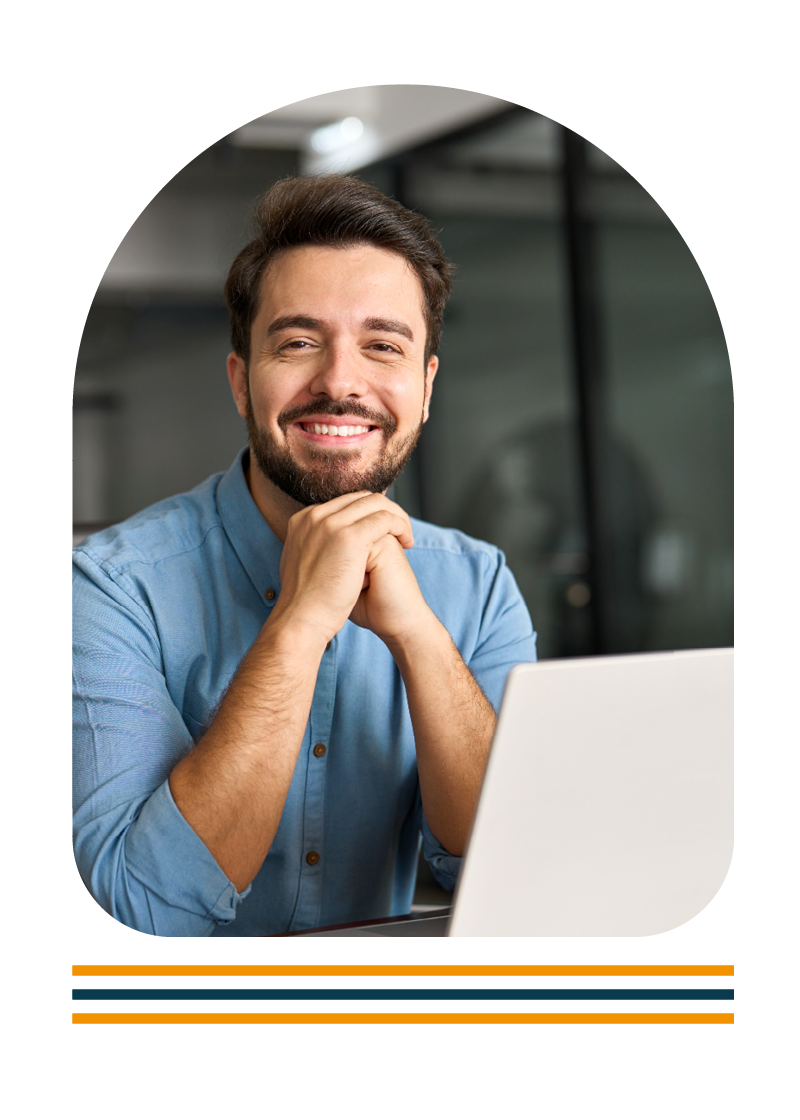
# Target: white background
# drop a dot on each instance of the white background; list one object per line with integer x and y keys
{"x": 103, "y": 104}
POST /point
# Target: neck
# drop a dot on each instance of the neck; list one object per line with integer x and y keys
{"x": 274, "y": 506}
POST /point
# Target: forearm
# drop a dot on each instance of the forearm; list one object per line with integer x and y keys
{"x": 232, "y": 787}
{"x": 453, "y": 728}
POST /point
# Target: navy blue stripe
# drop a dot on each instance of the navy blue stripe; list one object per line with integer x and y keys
{"x": 402, "y": 993}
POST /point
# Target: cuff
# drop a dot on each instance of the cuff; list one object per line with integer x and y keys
{"x": 445, "y": 867}
{"x": 189, "y": 878}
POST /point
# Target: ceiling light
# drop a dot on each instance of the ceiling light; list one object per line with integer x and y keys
{"x": 337, "y": 135}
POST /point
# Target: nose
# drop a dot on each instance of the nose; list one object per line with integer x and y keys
{"x": 339, "y": 375}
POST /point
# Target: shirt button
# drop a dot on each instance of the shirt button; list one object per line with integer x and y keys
{"x": 312, "y": 858}
{"x": 269, "y": 594}
{"x": 319, "y": 750}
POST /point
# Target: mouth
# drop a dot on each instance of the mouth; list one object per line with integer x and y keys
{"x": 334, "y": 432}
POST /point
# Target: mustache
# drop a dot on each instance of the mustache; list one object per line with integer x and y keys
{"x": 337, "y": 408}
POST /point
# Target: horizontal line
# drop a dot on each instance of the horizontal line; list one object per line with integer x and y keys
{"x": 398, "y": 1017}
{"x": 401, "y": 993}
{"x": 402, "y": 970}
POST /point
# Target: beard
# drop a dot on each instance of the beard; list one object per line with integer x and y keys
{"x": 333, "y": 473}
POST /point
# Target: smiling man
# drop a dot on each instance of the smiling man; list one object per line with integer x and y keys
{"x": 280, "y": 679}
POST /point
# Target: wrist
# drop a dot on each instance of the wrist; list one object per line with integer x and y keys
{"x": 423, "y": 638}
{"x": 293, "y": 635}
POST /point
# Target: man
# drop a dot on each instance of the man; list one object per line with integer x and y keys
{"x": 280, "y": 679}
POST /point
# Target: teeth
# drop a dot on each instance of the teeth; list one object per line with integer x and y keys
{"x": 334, "y": 430}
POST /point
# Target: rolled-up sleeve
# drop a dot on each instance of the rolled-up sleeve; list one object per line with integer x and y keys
{"x": 444, "y": 866}
{"x": 137, "y": 855}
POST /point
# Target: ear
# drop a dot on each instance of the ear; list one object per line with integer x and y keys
{"x": 237, "y": 375}
{"x": 430, "y": 373}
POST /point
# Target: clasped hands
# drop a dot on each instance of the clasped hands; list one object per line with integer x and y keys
{"x": 346, "y": 559}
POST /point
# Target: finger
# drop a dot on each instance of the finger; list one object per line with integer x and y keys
{"x": 371, "y": 525}
{"x": 369, "y": 503}
{"x": 406, "y": 542}
{"x": 323, "y": 509}
{"x": 359, "y": 501}
{"x": 349, "y": 509}
{"x": 386, "y": 550}
{"x": 387, "y": 503}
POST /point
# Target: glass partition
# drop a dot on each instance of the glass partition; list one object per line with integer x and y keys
{"x": 582, "y": 416}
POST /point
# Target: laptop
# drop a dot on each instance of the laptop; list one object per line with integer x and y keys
{"x": 607, "y": 805}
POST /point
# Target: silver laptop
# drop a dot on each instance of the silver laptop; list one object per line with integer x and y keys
{"x": 607, "y": 806}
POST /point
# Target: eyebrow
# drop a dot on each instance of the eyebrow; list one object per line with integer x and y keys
{"x": 391, "y": 326}
{"x": 306, "y": 322}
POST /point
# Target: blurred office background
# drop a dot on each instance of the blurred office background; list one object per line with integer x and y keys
{"x": 582, "y": 416}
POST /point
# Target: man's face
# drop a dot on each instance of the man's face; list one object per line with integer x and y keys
{"x": 338, "y": 341}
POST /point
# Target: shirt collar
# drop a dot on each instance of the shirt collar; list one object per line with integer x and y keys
{"x": 257, "y": 547}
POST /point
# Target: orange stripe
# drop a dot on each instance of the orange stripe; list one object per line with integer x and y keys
{"x": 402, "y": 970}
{"x": 377, "y": 1017}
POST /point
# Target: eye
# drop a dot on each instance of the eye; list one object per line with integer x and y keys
{"x": 384, "y": 348}
{"x": 295, "y": 344}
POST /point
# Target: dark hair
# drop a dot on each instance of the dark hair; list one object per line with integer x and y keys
{"x": 339, "y": 211}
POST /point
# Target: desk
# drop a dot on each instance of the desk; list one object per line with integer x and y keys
{"x": 434, "y": 923}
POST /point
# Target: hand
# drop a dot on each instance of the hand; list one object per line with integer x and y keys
{"x": 327, "y": 556}
{"x": 391, "y": 604}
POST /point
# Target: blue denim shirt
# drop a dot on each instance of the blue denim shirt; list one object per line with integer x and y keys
{"x": 166, "y": 605}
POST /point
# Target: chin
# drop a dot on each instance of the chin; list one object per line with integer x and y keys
{"x": 321, "y": 474}
{"x": 322, "y": 482}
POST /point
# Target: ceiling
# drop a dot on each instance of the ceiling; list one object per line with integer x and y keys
{"x": 393, "y": 118}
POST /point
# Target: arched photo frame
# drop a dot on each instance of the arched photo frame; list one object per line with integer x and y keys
{"x": 581, "y": 421}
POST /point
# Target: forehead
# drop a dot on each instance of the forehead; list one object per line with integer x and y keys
{"x": 360, "y": 280}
